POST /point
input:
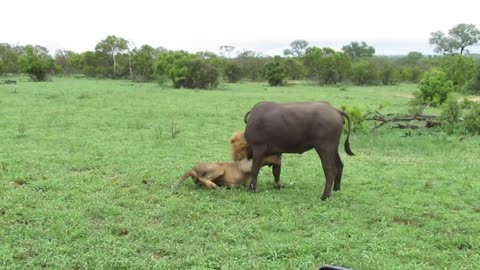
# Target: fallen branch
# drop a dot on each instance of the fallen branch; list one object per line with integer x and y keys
{"x": 430, "y": 120}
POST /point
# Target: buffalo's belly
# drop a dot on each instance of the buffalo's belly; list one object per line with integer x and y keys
{"x": 288, "y": 148}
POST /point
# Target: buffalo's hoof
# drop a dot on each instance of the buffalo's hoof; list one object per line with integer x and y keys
{"x": 277, "y": 185}
{"x": 251, "y": 189}
{"x": 324, "y": 198}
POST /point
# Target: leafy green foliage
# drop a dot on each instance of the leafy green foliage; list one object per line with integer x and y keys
{"x": 473, "y": 86}
{"x": 472, "y": 120}
{"x": 186, "y": 70}
{"x": 357, "y": 118}
{"x": 435, "y": 88}
{"x": 356, "y": 50}
{"x": 37, "y": 63}
{"x": 142, "y": 63}
{"x": 388, "y": 72}
{"x": 111, "y": 46}
{"x": 459, "y": 37}
{"x": 297, "y": 48}
{"x": 65, "y": 60}
{"x": 252, "y": 65}
{"x": 459, "y": 69}
{"x": 275, "y": 72}
{"x": 326, "y": 65}
{"x": 232, "y": 72}
{"x": 9, "y": 58}
{"x": 450, "y": 115}
{"x": 294, "y": 68}
{"x": 364, "y": 72}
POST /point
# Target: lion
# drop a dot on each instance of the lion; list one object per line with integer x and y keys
{"x": 227, "y": 174}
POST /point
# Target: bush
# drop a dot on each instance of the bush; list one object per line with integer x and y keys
{"x": 275, "y": 72}
{"x": 434, "y": 88}
{"x": 232, "y": 72}
{"x": 37, "y": 63}
{"x": 364, "y": 72}
{"x": 356, "y": 117}
{"x": 186, "y": 70}
{"x": 450, "y": 115}
{"x": 473, "y": 86}
{"x": 459, "y": 69}
{"x": 200, "y": 75}
{"x": 472, "y": 120}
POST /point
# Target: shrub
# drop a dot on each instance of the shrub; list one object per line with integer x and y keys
{"x": 356, "y": 117}
{"x": 186, "y": 70}
{"x": 472, "y": 120}
{"x": 473, "y": 86}
{"x": 232, "y": 72}
{"x": 275, "y": 72}
{"x": 459, "y": 69}
{"x": 434, "y": 88}
{"x": 450, "y": 115}
{"x": 37, "y": 63}
{"x": 364, "y": 72}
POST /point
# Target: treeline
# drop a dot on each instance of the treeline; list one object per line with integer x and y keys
{"x": 356, "y": 63}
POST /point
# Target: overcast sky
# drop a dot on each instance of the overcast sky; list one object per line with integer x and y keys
{"x": 392, "y": 27}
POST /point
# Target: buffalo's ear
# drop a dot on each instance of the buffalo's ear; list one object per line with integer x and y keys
{"x": 232, "y": 140}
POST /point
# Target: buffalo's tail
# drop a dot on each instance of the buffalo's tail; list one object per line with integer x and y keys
{"x": 245, "y": 117}
{"x": 347, "y": 140}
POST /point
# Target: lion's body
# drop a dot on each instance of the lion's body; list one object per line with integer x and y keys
{"x": 228, "y": 174}
{"x": 223, "y": 174}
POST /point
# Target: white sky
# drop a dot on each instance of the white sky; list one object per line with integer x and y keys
{"x": 392, "y": 27}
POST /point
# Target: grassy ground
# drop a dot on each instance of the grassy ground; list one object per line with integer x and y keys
{"x": 86, "y": 168}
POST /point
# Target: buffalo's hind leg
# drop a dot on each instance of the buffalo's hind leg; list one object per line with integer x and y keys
{"x": 327, "y": 157}
{"x": 258, "y": 153}
{"x": 338, "y": 177}
{"x": 276, "y": 169}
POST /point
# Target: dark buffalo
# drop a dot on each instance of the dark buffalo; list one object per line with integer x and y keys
{"x": 276, "y": 128}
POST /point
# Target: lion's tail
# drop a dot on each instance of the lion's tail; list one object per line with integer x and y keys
{"x": 183, "y": 177}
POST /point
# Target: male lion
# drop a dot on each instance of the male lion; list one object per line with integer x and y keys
{"x": 228, "y": 174}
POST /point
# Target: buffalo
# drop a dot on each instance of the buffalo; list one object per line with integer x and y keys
{"x": 276, "y": 128}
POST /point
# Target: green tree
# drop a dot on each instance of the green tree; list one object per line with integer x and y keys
{"x": 473, "y": 86}
{"x": 37, "y": 63}
{"x": 356, "y": 50}
{"x": 459, "y": 69}
{"x": 232, "y": 72}
{"x": 64, "y": 59}
{"x": 294, "y": 68}
{"x": 387, "y": 71}
{"x": 186, "y": 70}
{"x": 143, "y": 60}
{"x": 326, "y": 65}
{"x": 9, "y": 57}
{"x": 297, "y": 48}
{"x": 459, "y": 38}
{"x": 364, "y": 72}
{"x": 333, "y": 66}
{"x": 112, "y": 46}
{"x": 252, "y": 65}
{"x": 275, "y": 72}
{"x": 226, "y": 50}
{"x": 434, "y": 87}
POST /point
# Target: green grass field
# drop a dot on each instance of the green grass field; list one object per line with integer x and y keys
{"x": 86, "y": 168}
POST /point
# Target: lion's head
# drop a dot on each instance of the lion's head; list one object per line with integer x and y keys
{"x": 239, "y": 145}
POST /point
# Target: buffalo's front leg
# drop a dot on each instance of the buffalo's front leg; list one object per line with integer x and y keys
{"x": 276, "y": 169}
{"x": 258, "y": 153}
